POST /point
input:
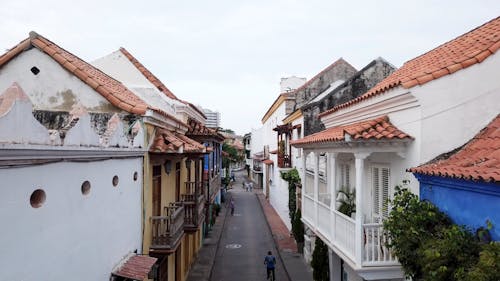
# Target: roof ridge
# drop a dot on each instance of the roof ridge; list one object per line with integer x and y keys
{"x": 117, "y": 94}
{"x": 457, "y": 37}
{"x": 335, "y": 63}
{"x": 459, "y": 53}
{"x": 145, "y": 71}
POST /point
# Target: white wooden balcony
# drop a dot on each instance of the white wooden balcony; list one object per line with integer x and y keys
{"x": 340, "y": 232}
{"x": 357, "y": 240}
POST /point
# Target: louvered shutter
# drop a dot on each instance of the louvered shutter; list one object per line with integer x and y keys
{"x": 376, "y": 192}
{"x": 385, "y": 191}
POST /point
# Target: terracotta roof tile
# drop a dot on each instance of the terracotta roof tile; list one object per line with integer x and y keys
{"x": 478, "y": 160}
{"x": 166, "y": 141}
{"x": 136, "y": 267}
{"x": 379, "y": 128}
{"x": 198, "y": 129}
{"x": 466, "y": 50}
{"x": 268, "y": 162}
{"x": 115, "y": 92}
{"x": 155, "y": 81}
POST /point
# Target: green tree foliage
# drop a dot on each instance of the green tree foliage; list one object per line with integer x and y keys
{"x": 233, "y": 155}
{"x": 298, "y": 227}
{"x": 431, "y": 248}
{"x": 319, "y": 263}
{"x": 293, "y": 178}
{"x": 488, "y": 266}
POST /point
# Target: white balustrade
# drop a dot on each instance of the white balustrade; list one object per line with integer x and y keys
{"x": 344, "y": 233}
{"x": 324, "y": 220}
{"x": 375, "y": 251}
{"x": 308, "y": 209}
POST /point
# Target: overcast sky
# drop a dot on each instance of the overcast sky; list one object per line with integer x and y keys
{"x": 229, "y": 55}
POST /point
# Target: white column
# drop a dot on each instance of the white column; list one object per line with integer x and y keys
{"x": 316, "y": 187}
{"x": 331, "y": 176}
{"x": 360, "y": 158}
{"x": 303, "y": 179}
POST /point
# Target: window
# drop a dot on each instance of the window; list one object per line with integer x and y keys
{"x": 380, "y": 192}
{"x": 345, "y": 182}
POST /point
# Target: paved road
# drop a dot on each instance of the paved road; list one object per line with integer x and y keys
{"x": 245, "y": 240}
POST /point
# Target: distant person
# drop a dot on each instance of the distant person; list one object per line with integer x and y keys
{"x": 250, "y": 185}
{"x": 231, "y": 205}
{"x": 247, "y": 187}
{"x": 232, "y": 176}
{"x": 270, "y": 262}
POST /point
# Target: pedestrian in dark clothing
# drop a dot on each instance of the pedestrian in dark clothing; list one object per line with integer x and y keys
{"x": 270, "y": 262}
{"x": 231, "y": 205}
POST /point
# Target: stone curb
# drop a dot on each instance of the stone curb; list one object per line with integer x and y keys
{"x": 220, "y": 234}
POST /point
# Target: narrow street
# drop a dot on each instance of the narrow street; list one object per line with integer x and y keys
{"x": 245, "y": 240}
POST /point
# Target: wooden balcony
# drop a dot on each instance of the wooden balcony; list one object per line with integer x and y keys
{"x": 284, "y": 161}
{"x": 167, "y": 230}
{"x": 214, "y": 187}
{"x": 194, "y": 203}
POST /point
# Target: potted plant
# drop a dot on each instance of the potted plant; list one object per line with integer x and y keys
{"x": 347, "y": 200}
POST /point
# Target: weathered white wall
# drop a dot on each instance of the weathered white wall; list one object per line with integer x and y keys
{"x": 119, "y": 67}
{"x": 291, "y": 83}
{"x": 72, "y": 236}
{"x": 54, "y": 88}
{"x": 278, "y": 190}
{"x": 456, "y": 107}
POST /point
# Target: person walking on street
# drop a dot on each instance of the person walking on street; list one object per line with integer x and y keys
{"x": 250, "y": 185}
{"x": 270, "y": 262}
{"x": 231, "y": 205}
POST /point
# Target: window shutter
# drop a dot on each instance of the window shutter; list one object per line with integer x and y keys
{"x": 347, "y": 183}
{"x": 385, "y": 191}
{"x": 376, "y": 192}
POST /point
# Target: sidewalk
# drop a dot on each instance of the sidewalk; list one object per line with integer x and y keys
{"x": 202, "y": 268}
{"x": 295, "y": 266}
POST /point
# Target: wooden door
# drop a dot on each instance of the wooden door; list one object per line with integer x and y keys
{"x": 177, "y": 181}
{"x": 156, "y": 190}
{"x": 178, "y": 264}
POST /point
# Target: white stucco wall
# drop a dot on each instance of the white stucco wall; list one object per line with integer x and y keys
{"x": 53, "y": 88}
{"x": 278, "y": 190}
{"x": 72, "y": 236}
{"x": 119, "y": 67}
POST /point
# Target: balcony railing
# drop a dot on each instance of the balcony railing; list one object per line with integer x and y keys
{"x": 193, "y": 201}
{"x": 340, "y": 230}
{"x": 214, "y": 187}
{"x": 167, "y": 230}
{"x": 284, "y": 161}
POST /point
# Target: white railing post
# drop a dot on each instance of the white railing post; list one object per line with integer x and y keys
{"x": 316, "y": 187}
{"x": 359, "y": 170}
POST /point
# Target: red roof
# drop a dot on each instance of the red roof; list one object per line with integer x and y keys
{"x": 155, "y": 81}
{"x": 136, "y": 267}
{"x": 198, "y": 129}
{"x": 466, "y": 50}
{"x": 478, "y": 160}
{"x": 113, "y": 91}
{"x": 268, "y": 162}
{"x": 166, "y": 141}
{"x": 379, "y": 128}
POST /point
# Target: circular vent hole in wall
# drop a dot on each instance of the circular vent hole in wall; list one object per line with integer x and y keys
{"x": 85, "y": 187}
{"x": 37, "y": 198}
{"x": 115, "y": 180}
{"x": 136, "y": 175}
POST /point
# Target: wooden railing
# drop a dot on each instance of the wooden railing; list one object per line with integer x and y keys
{"x": 284, "y": 160}
{"x": 375, "y": 251}
{"x": 168, "y": 229}
{"x": 193, "y": 201}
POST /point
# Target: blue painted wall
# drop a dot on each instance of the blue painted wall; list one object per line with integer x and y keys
{"x": 468, "y": 203}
